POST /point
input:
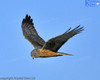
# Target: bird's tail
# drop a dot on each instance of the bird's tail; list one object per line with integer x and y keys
{"x": 61, "y": 54}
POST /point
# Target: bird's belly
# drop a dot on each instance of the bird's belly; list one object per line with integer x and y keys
{"x": 47, "y": 53}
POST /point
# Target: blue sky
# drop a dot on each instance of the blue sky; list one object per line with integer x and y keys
{"x": 51, "y": 18}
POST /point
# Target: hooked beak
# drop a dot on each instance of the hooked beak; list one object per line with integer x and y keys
{"x": 32, "y": 57}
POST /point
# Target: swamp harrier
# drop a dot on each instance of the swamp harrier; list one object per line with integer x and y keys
{"x": 46, "y": 49}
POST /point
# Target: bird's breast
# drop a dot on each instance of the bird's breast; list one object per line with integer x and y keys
{"x": 47, "y": 53}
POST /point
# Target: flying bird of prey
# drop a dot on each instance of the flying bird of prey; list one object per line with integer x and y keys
{"x": 46, "y": 49}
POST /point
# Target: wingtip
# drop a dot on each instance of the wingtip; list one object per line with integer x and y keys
{"x": 28, "y": 19}
{"x": 26, "y": 16}
{"x": 68, "y": 30}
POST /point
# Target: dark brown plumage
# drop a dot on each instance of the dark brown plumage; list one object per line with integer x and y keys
{"x": 49, "y": 48}
{"x": 30, "y": 33}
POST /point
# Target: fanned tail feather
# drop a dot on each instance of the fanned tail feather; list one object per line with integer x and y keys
{"x": 61, "y": 54}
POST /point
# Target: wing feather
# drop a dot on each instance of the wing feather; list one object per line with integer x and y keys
{"x": 30, "y": 33}
{"x": 55, "y": 43}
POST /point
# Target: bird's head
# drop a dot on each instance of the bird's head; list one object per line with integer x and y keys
{"x": 34, "y": 53}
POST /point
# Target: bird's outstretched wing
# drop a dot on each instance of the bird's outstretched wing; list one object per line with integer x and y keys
{"x": 55, "y": 43}
{"x": 30, "y": 33}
